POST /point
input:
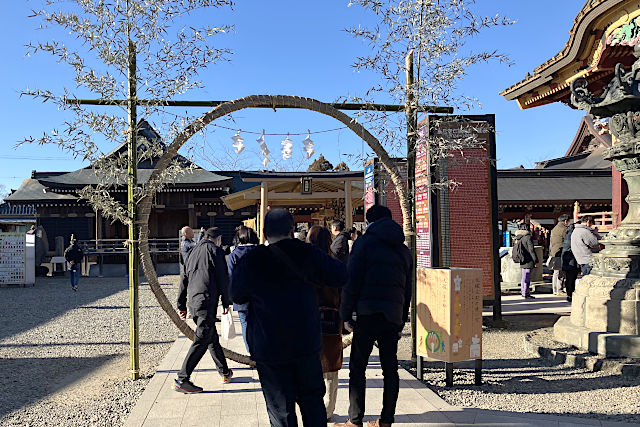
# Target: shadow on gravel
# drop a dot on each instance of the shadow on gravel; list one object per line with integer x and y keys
{"x": 27, "y": 380}
{"x": 26, "y": 308}
{"x": 87, "y": 343}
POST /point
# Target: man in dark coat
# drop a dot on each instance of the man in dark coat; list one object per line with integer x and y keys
{"x": 283, "y": 322}
{"x": 208, "y": 279}
{"x": 186, "y": 244}
{"x": 73, "y": 254}
{"x": 523, "y": 237}
{"x": 379, "y": 292}
{"x": 340, "y": 244}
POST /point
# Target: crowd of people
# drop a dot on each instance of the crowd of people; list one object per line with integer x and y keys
{"x": 296, "y": 296}
{"x": 571, "y": 250}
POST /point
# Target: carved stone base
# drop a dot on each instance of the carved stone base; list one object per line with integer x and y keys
{"x": 605, "y": 317}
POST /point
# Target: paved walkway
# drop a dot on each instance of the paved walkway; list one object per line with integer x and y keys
{"x": 240, "y": 402}
{"x": 542, "y": 304}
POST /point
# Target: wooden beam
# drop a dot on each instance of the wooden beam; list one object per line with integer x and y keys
{"x": 264, "y": 200}
{"x": 348, "y": 208}
{"x": 273, "y": 196}
{"x": 338, "y": 106}
{"x": 317, "y": 180}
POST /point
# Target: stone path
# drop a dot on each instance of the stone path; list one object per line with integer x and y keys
{"x": 240, "y": 402}
{"x": 542, "y": 304}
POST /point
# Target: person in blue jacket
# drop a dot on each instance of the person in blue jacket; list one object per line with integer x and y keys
{"x": 245, "y": 241}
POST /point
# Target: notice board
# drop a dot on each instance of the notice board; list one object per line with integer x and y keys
{"x": 449, "y": 313}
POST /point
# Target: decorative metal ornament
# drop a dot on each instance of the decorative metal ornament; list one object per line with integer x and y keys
{"x": 287, "y": 148}
{"x": 238, "y": 142}
{"x": 308, "y": 145}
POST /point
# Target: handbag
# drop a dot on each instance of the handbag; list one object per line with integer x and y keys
{"x": 554, "y": 263}
{"x": 228, "y": 329}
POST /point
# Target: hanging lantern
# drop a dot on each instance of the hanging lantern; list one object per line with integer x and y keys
{"x": 308, "y": 146}
{"x": 287, "y": 148}
{"x": 238, "y": 142}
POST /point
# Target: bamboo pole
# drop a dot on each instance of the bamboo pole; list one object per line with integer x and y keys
{"x": 132, "y": 180}
{"x": 264, "y": 203}
{"x": 412, "y": 128}
{"x": 338, "y": 106}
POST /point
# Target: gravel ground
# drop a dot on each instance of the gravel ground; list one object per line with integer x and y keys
{"x": 514, "y": 380}
{"x": 64, "y": 355}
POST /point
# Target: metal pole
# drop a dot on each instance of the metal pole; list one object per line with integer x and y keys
{"x": 132, "y": 181}
{"x": 412, "y": 126}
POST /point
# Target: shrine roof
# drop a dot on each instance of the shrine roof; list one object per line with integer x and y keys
{"x": 522, "y": 185}
{"x": 598, "y": 39}
{"x": 32, "y": 190}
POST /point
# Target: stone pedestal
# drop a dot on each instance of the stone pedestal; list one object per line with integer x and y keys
{"x": 605, "y": 314}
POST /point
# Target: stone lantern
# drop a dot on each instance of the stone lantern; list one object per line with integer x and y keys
{"x": 605, "y": 310}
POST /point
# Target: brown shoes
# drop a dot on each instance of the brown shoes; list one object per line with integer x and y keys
{"x": 347, "y": 424}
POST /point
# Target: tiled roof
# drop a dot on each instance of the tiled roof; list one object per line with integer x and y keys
{"x": 522, "y": 185}
{"x": 8, "y": 209}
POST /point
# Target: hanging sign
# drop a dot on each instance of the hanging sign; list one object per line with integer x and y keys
{"x": 307, "y": 185}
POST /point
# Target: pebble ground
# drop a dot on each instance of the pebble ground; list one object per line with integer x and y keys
{"x": 64, "y": 355}
{"x": 515, "y": 380}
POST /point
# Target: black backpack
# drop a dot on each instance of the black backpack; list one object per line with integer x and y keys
{"x": 517, "y": 254}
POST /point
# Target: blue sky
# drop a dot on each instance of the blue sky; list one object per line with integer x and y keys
{"x": 299, "y": 48}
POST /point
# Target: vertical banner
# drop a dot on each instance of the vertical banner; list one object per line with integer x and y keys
{"x": 423, "y": 192}
{"x": 369, "y": 187}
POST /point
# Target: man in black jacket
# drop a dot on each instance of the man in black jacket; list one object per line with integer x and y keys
{"x": 283, "y": 321}
{"x": 379, "y": 292}
{"x": 340, "y": 243}
{"x": 73, "y": 254}
{"x": 186, "y": 244}
{"x": 208, "y": 280}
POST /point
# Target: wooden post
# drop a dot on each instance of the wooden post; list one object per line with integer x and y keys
{"x": 412, "y": 128}
{"x": 132, "y": 181}
{"x": 264, "y": 201}
{"x": 348, "y": 209}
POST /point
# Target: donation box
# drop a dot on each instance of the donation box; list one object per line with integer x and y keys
{"x": 449, "y": 313}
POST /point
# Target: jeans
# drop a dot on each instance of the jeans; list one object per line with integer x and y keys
{"x": 206, "y": 338}
{"x": 242, "y": 315}
{"x": 284, "y": 385}
{"x": 74, "y": 274}
{"x": 585, "y": 268}
{"x": 369, "y": 329}
{"x": 526, "y": 281}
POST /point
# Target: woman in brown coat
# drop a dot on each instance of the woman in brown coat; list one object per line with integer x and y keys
{"x": 329, "y": 303}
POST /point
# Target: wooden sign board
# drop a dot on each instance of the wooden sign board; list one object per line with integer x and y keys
{"x": 449, "y": 314}
{"x": 306, "y": 186}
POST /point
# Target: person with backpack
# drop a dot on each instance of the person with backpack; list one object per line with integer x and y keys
{"x": 524, "y": 253}
{"x": 283, "y": 322}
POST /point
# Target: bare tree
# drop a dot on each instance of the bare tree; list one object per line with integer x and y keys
{"x": 436, "y": 34}
{"x": 170, "y": 59}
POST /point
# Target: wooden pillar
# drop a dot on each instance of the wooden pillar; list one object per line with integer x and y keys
{"x": 348, "y": 208}
{"x": 264, "y": 201}
{"x": 193, "y": 221}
